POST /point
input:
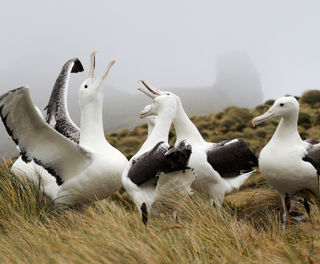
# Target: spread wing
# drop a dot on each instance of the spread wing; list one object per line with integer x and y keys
{"x": 230, "y": 158}
{"x": 37, "y": 140}
{"x": 57, "y": 110}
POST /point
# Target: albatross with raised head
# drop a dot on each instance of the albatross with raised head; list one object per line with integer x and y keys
{"x": 87, "y": 171}
{"x": 158, "y": 169}
{"x": 221, "y": 168}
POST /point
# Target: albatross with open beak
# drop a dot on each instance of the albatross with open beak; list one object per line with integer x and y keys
{"x": 85, "y": 172}
{"x": 158, "y": 169}
{"x": 221, "y": 168}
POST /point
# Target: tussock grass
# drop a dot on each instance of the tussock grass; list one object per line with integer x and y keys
{"x": 247, "y": 229}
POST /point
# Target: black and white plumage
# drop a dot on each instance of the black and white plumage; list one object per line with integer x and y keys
{"x": 37, "y": 140}
{"x": 57, "y": 116}
{"x": 221, "y": 168}
{"x": 158, "y": 169}
{"x": 288, "y": 163}
{"x": 85, "y": 172}
{"x": 57, "y": 110}
{"x": 222, "y": 157}
{"x": 162, "y": 158}
{"x": 313, "y": 154}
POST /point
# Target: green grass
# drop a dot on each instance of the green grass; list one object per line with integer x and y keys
{"x": 247, "y": 229}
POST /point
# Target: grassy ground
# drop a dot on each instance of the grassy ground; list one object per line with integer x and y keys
{"x": 246, "y": 230}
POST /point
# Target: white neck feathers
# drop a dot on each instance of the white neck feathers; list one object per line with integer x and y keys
{"x": 184, "y": 127}
{"x": 159, "y": 133}
{"x": 91, "y": 126}
{"x": 287, "y": 130}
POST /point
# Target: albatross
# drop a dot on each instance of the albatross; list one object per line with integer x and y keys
{"x": 158, "y": 169}
{"x": 221, "y": 168}
{"x": 31, "y": 170}
{"x": 288, "y": 163}
{"x": 85, "y": 172}
{"x": 151, "y": 120}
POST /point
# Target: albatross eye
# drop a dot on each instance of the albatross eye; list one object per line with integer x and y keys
{"x": 168, "y": 94}
{"x": 281, "y": 104}
{"x": 85, "y": 86}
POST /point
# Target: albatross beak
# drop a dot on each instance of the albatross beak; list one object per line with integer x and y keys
{"x": 259, "y": 119}
{"x": 147, "y": 111}
{"x": 92, "y": 63}
{"x": 152, "y": 96}
{"x": 111, "y": 63}
{"x": 150, "y": 88}
{"x": 154, "y": 92}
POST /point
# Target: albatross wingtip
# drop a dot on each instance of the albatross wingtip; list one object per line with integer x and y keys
{"x": 77, "y": 67}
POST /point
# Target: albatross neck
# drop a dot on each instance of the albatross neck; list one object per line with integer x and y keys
{"x": 160, "y": 131}
{"x": 287, "y": 130}
{"x": 185, "y": 129}
{"x": 91, "y": 127}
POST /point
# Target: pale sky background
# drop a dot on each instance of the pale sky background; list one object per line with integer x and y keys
{"x": 173, "y": 43}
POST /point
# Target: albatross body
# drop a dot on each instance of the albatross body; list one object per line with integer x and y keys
{"x": 221, "y": 168}
{"x": 85, "y": 172}
{"x": 288, "y": 163}
{"x": 157, "y": 169}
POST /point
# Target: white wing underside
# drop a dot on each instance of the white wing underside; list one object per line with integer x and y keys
{"x": 37, "y": 140}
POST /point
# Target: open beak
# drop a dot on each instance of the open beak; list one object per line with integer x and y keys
{"x": 259, "y": 119}
{"x": 111, "y": 63}
{"x": 154, "y": 92}
{"x": 147, "y": 111}
{"x": 92, "y": 64}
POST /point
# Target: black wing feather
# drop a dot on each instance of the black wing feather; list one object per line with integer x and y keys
{"x": 161, "y": 158}
{"x": 229, "y": 160}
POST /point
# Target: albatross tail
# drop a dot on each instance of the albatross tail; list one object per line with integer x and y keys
{"x": 236, "y": 182}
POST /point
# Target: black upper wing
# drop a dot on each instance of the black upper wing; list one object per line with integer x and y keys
{"x": 231, "y": 157}
{"x": 161, "y": 158}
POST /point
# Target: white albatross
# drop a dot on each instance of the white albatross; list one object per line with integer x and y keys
{"x": 221, "y": 168}
{"x": 288, "y": 163}
{"x": 31, "y": 170}
{"x": 158, "y": 169}
{"x": 87, "y": 171}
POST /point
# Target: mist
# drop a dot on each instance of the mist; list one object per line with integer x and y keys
{"x": 221, "y": 53}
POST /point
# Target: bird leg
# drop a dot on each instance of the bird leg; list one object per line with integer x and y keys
{"x": 286, "y": 207}
{"x": 307, "y": 206}
{"x": 144, "y": 214}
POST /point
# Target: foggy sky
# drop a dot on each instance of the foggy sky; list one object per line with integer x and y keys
{"x": 171, "y": 43}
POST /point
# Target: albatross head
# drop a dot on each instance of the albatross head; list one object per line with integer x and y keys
{"x": 163, "y": 102}
{"x": 284, "y": 107}
{"x": 151, "y": 119}
{"x": 91, "y": 88}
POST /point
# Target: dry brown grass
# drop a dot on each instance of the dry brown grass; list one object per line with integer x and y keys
{"x": 247, "y": 229}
